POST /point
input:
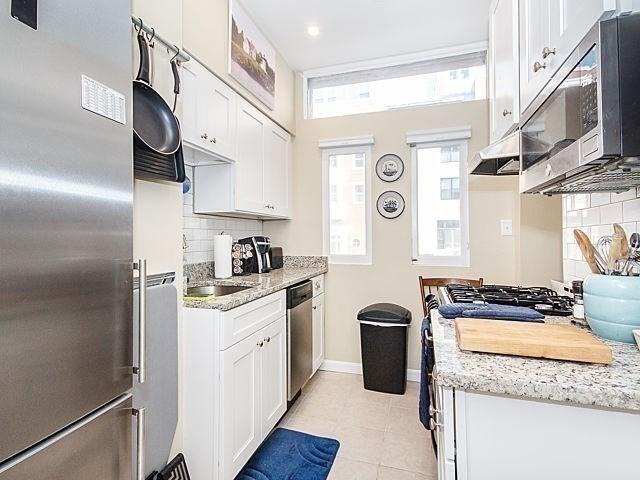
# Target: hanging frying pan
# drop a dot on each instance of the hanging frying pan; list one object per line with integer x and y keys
{"x": 154, "y": 123}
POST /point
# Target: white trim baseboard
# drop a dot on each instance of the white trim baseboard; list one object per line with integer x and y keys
{"x": 356, "y": 369}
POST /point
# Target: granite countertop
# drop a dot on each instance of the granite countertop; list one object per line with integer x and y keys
{"x": 261, "y": 285}
{"x": 613, "y": 386}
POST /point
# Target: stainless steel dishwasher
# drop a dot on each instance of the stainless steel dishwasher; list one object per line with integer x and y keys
{"x": 299, "y": 337}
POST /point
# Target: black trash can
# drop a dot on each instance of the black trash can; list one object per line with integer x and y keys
{"x": 383, "y": 341}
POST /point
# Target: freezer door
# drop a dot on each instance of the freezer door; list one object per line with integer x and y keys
{"x": 98, "y": 447}
{"x": 65, "y": 218}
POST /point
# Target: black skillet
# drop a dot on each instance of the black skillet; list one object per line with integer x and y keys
{"x": 154, "y": 123}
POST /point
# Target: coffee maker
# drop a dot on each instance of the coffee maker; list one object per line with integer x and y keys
{"x": 261, "y": 258}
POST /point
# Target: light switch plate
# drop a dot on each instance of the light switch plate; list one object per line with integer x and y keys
{"x": 506, "y": 228}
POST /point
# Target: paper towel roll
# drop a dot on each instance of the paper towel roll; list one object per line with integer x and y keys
{"x": 222, "y": 256}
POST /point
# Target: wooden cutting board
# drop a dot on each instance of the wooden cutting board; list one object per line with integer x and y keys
{"x": 539, "y": 340}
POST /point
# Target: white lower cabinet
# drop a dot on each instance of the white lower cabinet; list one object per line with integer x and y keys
{"x": 488, "y": 436}
{"x": 241, "y": 422}
{"x": 274, "y": 374}
{"x": 318, "y": 322}
{"x": 234, "y": 394}
{"x": 318, "y": 331}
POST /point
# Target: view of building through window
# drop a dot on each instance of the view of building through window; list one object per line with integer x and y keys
{"x": 347, "y": 209}
{"x": 439, "y": 208}
{"x": 448, "y": 85}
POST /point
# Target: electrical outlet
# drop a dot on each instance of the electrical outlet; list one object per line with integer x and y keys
{"x": 506, "y": 228}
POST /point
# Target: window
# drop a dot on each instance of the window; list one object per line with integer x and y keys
{"x": 448, "y": 234}
{"x": 450, "y": 188}
{"x": 347, "y": 200}
{"x": 333, "y": 192}
{"x": 440, "y": 206}
{"x": 358, "y": 161}
{"x": 456, "y": 78}
{"x": 358, "y": 193}
{"x": 450, "y": 154}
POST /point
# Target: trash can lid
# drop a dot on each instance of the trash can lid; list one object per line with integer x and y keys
{"x": 385, "y": 313}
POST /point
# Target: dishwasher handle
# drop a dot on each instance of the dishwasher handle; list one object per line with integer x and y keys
{"x": 299, "y": 294}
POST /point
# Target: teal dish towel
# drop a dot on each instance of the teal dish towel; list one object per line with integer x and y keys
{"x": 612, "y": 306}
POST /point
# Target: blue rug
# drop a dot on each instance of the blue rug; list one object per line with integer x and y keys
{"x": 289, "y": 455}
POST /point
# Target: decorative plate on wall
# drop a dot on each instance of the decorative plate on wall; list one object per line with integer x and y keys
{"x": 390, "y": 204}
{"x": 389, "y": 167}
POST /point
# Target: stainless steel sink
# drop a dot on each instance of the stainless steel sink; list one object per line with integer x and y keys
{"x": 216, "y": 290}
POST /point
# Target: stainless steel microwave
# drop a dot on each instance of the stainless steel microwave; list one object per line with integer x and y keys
{"x": 582, "y": 133}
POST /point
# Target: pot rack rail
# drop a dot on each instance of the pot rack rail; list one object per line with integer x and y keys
{"x": 182, "y": 55}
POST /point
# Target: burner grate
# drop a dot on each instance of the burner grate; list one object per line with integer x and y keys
{"x": 541, "y": 299}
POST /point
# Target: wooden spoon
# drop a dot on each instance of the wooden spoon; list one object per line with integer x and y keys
{"x": 624, "y": 243}
{"x": 587, "y": 249}
{"x": 615, "y": 252}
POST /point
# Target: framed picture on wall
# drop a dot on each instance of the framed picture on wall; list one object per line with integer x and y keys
{"x": 390, "y": 204}
{"x": 252, "y": 59}
{"x": 389, "y": 167}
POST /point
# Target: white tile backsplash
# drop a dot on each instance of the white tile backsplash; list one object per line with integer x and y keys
{"x": 610, "y": 214}
{"x": 595, "y": 215}
{"x": 201, "y": 229}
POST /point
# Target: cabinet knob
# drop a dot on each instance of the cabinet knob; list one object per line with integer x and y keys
{"x": 539, "y": 66}
{"x": 506, "y": 112}
{"x": 260, "y": 344}
{"x": 315, "y": 307}
{"x": 214, "y": 140}
{"x": 204, "y": 136}
{"x": 268, "y": 339}
{"x": 433, "y": 411}
{"x": 546, "y": 51}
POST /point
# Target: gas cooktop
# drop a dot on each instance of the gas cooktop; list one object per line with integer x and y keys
{"x": 541, "y": 299}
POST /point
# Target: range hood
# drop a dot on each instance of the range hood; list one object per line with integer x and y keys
{"x": 499, "y": 158}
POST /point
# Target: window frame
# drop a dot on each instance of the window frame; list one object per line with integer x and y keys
{"x": 346, "y": 149}
{"x": 439, "y": 54}
{"x": 464, "y": 259}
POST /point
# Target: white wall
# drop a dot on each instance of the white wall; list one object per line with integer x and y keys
{"x": 392, "y": 277}
{"x": 157, "y": 210}
{"x": 206, "y": 35}
{"x": 595, "y": 214}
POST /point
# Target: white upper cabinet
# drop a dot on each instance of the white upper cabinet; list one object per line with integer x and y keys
{"x": 257, "y": 183}
{"x": 549, "y": 31}
{"x": 570, "y": 21}
{"x": 209, "y": 112}
{"x": 275, "y": 180}
{"x": 503, "y": 67}
{"x": 534, "y": 36}
{"x": 251, "y": 155}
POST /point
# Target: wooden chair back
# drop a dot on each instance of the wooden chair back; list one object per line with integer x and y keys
{"x": 430, "y": 283}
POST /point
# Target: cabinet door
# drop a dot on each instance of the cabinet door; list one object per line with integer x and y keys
{"x": 251, "y": 141}
{"x": 570, "y": 21}
{"x": 534, "y": 36}
{"x": 274, "y": 374}
{"x": 276, "y": 171}
{"x": 220, "y": 118}
{"x": 240, "y": 421}
{"x": 503, "y": 64}
{"x": 190, "y": 100}
{"x": 318, "y": 331}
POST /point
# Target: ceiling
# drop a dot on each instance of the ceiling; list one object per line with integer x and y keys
{"x": 357, "y": 30}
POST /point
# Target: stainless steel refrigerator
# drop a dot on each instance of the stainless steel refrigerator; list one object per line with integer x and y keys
{"x": 66, "y": 193}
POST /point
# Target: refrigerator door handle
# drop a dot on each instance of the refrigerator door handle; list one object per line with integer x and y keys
{"x": 140, "y": 415}
{"x": 141, "y": 369}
